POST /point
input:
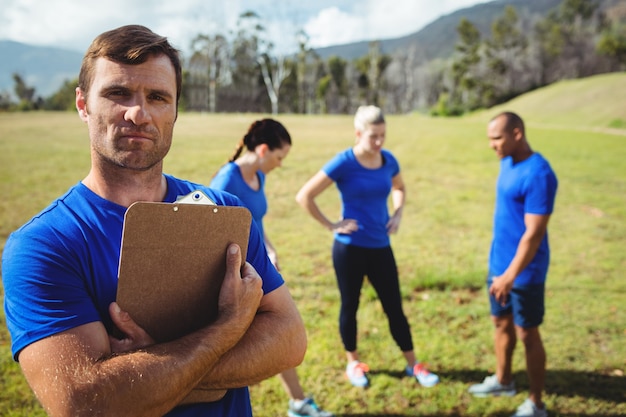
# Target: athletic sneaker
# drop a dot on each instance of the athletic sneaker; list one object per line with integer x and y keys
{"x": 529, "y": 409}
{"x": 491, "y": 386}
{"x": 423, "y": 376}
{"x": 357, "y": 373}
{"x": 306, "y": 407}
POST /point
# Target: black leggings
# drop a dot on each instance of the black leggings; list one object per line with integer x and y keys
{"x": 352, "y": 264}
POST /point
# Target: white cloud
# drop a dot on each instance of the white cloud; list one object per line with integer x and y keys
{"x": 73, "y": 25}
{"x": 333, "y": 27}
{"x": 375, "y": 19}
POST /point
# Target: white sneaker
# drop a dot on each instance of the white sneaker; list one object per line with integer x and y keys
{"x": 529, "y": 409}
{"x": 357, "y": 373}
{"x": 306, "y": 408}
{"x": 423, "y": 375}
{"x": 492, "y": 387}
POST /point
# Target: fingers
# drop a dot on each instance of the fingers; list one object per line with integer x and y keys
{"x": 346, "y": 226}
{"x": 233, "y": 260}
{"x": 241, "y": 291}
{"x": 135, "y": 336}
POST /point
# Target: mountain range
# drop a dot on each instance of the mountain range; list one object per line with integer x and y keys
{"x": 47, "y": 68}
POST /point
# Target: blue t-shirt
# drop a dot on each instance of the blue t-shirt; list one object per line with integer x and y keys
{"x": 530, "y": 187}
{"x": 364, "y": 193}
{"x": 229, "y": 179}
{"x": 59, "y": 271}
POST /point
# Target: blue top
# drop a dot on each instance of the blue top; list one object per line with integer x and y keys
{"x": 59, "y": 271}
{"x": 530, "y": 187}
{"x": 364, "y": 194}
{"x": 229, "y": 179}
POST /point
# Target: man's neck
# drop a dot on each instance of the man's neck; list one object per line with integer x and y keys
{"x": 127, "y": 189}
{"x": 523, "y": 153}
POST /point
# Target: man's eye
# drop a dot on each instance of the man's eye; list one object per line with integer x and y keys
{"x": 117, "y": 93}
{"x": 157, "y": 97}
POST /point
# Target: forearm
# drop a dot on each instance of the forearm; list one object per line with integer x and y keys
{"x": 307, "y": 194}
{"x": 80, "y": 372}
{"x": 274, "y": 342}
{"x": 398, "y": 199}
{"x": 312, "y": 208}
{"x": 526, "y": 250}
{"x": 147, "y": 382}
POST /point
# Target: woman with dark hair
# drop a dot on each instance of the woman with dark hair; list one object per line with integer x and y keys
{"x": 263, "y": 148}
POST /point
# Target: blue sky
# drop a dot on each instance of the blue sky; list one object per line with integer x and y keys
{"x": 72, "y": 24}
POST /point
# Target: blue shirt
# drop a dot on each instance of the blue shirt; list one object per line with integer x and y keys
{"x": 59, "y": 271}
{"x": 530, "y": 187}
{"x": 229, "y": 179}
{"x": 364, "y": 193}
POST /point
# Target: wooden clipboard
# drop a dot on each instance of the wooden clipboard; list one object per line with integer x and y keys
{"x": 172, "y": 263}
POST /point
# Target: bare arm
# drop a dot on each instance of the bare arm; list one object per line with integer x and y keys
{"x": 271, "y": 251}
{"x": 275, "y": 341}
{"x": 398, "y": 197}
{"x": 536, "y": 227}
{"x": 306, "y": 198}
{"x": 75, "y": 373}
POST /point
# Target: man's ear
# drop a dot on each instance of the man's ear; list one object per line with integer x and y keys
{"x": 81, "y": 104}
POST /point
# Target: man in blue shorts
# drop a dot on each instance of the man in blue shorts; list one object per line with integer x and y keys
{"x": 59, "y": 270}
{"x": 518, "y": 261}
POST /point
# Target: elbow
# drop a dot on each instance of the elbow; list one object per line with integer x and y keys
{"x": 73, "y": 404}
{"x": 301, "y": 198}
{"x": 302, "y": 346}
{"x": 298, "y": 349}
{"x": 297, "y": 344}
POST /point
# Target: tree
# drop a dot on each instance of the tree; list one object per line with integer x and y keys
{"x": 566, "y": 39}
{"x": 505, "y": 54}
{"x": 613, "y": 44}
{"x": 64, "y": 99}
{"x": 210, "y": 62}
{"x": 273, "y": 68}
{"x": 274, "y": 71}
{"x": 465, "y": 74}
{"x": 337, "y": 71}
{"x": 306, "y": 63}
{"x": 546, "y": 45}
{"x": 5, "y": 101}
{"x": 370, "y": 69}
{"x": 246, "y": 79}
{"x": 25, "y": 94}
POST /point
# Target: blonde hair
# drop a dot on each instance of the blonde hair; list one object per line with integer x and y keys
{"x": 368, "y": 115}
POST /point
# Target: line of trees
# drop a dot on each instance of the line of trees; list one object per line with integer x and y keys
{"x": 243, "y": 73}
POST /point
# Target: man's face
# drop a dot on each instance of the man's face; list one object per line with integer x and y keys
{"x": 501, "y": 141}
{"x": 130, "y": 112}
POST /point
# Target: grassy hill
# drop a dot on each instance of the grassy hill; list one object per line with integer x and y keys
{"x": 597, "y": 102}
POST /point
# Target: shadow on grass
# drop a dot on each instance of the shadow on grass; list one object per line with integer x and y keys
{"x": 560, "y": 382}
{"x": 465, "y": 415}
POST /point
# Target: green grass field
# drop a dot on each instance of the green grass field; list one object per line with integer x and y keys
{"x": 441, "y": 249}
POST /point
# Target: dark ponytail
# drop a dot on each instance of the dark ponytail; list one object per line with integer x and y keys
{"x": 265, "y": 131}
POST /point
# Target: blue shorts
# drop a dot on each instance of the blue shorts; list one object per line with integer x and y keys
{"x": 525, "y": 303}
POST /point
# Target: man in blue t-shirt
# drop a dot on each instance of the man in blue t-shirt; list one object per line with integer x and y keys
{"x": 518, "y": 260}
{"x": 59, "y": 270}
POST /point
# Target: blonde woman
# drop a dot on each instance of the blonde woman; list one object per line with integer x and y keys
{"x": 366, "y": 175}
